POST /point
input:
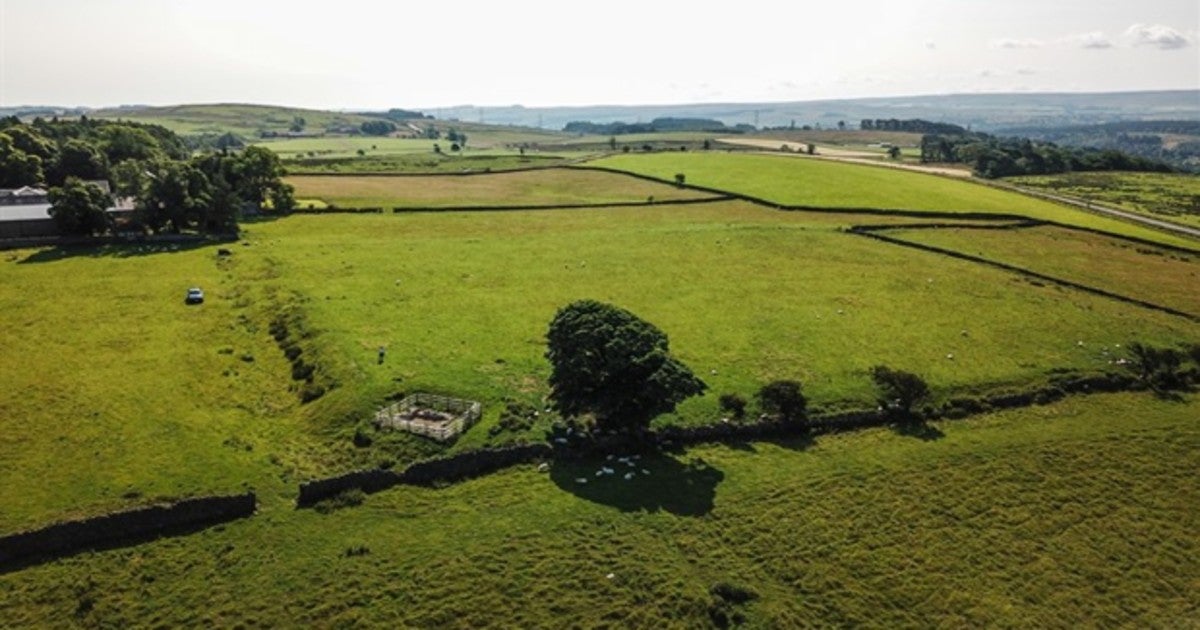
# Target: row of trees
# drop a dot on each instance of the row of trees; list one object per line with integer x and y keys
{"x": 656, "y": 125}
{"x": 914, "y": 125}
{"x": 174, "y": 190}
{"x": 994, "y": 157}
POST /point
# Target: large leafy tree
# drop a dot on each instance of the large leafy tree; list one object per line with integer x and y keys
{"x": 256, "y": 174}
{"x": 610, "y": 363}
{"x": 81, "y": 159}
{"x": 175, "y": 196}
{"x": 79, "y": 208}
{"x": 899, "y": 391}
{"x": 17, "y": 168}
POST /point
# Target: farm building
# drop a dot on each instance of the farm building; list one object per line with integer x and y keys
{"x": 25, "y": 211}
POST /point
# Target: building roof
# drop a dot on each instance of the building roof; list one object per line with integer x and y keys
{"x": 24, "y": 212}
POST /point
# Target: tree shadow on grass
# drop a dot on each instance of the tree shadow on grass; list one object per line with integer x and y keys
{"x": 680, "y": 488}
{"x": 921, "y": 430}
{"x": 123, "y": 250}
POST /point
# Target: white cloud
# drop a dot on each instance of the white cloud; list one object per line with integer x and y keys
{"x": 1095, "y": 40}
{"x": 1009, "y": 42}
{"x": 1156, "y": 35}
{"x": 930, "y": 44}
{"x": 1026, "y": 72}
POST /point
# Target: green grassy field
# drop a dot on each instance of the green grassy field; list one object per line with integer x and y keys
{"x": 117, "y": 394}
{"x": 789, "y": 180}
{"x": 462, "y": 300}
{"x": 852, "y": 138}
{"x": 557, "y": 186}
{"x": 429, "y": 163}
{"x": 1173, "y": 197}
{"x": 1018, "y": 519}
{"x": 1160, "y": 276}
{"x": 349, "y": 146}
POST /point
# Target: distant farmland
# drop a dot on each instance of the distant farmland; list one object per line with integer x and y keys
{"x": 542, "y": 188}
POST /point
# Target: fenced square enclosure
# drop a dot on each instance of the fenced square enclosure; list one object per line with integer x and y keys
{"x": 438, "y": 417}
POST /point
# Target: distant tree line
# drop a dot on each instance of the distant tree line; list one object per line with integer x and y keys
{"x": 654, "y": 126}
{"x": 173, "y": 188}
{"x": 1142, "y": 138}
{"x": 405, "y": 114}
{"x": 377, "y": 127}
{"x": 915, "y": 125}
{"x": 993, "y": 157}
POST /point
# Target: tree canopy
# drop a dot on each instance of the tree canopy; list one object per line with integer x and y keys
{"x": 899, "y": 390}
{"x": 174, "y": 189}
{"x": 608, "y": 362}
{"x": 79, "y": 208}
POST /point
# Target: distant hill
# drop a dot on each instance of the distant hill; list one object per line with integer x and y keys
{"x": 242, "y": 119}
{"x": 980, "y": 112}
{"x": 983, "y": 112}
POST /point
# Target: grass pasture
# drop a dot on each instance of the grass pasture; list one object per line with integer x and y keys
{"x": 799, "y": 181}
{"x": 544, "y": 188}
{"x": 427, "y": 163}
{"x": 462, "y": 300}
{"x": 1169, "y": 196}
{"x": 1018, "y": 519}
{"x": 1160, "y": 276}
{"x": 116, "y": 394}
{"x": 349, "y": 146}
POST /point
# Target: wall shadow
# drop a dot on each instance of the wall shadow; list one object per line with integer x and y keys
{"x": 920, "y": 430}
{"x": 656, "y": 483}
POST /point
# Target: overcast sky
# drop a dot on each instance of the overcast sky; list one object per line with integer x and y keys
{"x": 358, "y": 54}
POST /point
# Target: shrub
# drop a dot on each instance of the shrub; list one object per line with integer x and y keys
{"x": 726, "y": 597}
{"x": 516, "y": 417}
{"x": 1159, "y": 368}
{"x": 783, "y": 399}
{"x": 899, "y": 390}
{"x": 732, "y": 593}
{"x": 734, "y": 405}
